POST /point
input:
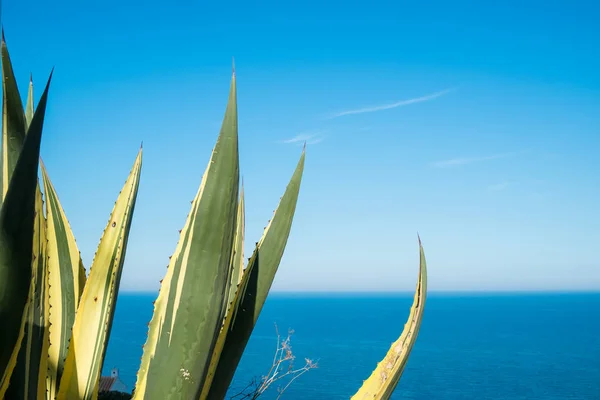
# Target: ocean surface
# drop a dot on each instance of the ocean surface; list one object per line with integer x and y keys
{"x": 471, "y": 346}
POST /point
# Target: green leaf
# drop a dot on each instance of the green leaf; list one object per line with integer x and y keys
{"x": 16, "y": 245}
{"x": 66, "y": 282}
{"x": 29, "y": 107}
{"x": 260, "y": 274}
{"x": 28, "y": 380}
{"x": 188, "y": 311}
{"x": 93, "y": 320}
{"x": 13, "y": 122}
{"x": 237, "y": 260}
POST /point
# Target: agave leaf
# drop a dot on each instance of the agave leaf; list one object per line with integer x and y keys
{"x": 386, "y": 376}
{"x": 29, "y": 107}
{"x": 13, "y": 122}
{"x": 237, "y": 259}
{"x": 261, "y": 271}
{"x": 28, "y": 380}
{"x": 97, "y": 304}
{"x": 66, "y": 282}
{"x": 16, "y": 245}
{"x": 249, "y": 278}
{"x": 188, "y": 311}
{"x": 238, "y": 281}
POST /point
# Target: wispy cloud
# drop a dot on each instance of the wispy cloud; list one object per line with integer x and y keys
{"x": 453, "y": 162}
{"x": 298, "y": 138}
{"x": 393, "y": 105}
{"x": 311, "y": 137}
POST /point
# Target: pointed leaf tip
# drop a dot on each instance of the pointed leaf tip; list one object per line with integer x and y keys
{"x": 233, "y": 65}
{"x": 3, "y": 39}
{"x": 45, "y": 93}
{"x": 30, "y": 77}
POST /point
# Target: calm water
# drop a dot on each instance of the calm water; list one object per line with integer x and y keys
{"x": 470, "y": 346}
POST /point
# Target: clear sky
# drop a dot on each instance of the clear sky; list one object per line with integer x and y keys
{"x": 476, "y": 124}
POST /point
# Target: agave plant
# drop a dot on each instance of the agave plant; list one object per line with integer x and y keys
{"x": 56, "y": 321}
{"x": 41, "y": 273}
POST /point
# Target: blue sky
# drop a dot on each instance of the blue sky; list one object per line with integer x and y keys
{"x": 476, "y": 125}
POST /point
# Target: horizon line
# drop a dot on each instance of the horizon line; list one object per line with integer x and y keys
{"x": 437, "y": 291}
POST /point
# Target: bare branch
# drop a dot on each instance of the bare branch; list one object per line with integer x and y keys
{"x": 282, "y": 371}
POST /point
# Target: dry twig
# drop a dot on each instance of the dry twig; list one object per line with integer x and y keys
{"x": 282, "y": 369}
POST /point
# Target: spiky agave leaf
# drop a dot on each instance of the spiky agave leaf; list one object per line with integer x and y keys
{"x": 254, "y": 288}
{"x": 237, "y": 259}
{"x": 13, "y": 122}
{"x": 188, "y": 311}
{"x": 235, "y": 271}
{"x": 16, "y": 245}
{"x": 237, "y": 282}
{"x": 66, "y": 277}
{"x": 382, "y": 382}
{"x": 28, "y": 381}
{"x": 67, "y": 281}
{"x": 229, "y": 317}
{"x": 29, "y": 375}
{"x": 96, "y": 307}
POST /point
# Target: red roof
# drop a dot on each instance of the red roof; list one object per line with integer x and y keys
{"x": 106, "y": 383}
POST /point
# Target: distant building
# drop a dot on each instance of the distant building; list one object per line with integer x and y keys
{"x": 112, "y": 382}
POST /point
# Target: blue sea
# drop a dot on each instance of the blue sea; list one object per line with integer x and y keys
{"x": 471, "y": 346}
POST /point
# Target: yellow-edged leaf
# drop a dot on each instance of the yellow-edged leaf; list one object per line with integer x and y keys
{"x": 382, "y": 382}
{"x": 17, "y": 221}
{"x": 95, "y": 313}
{"x": 28, "y": 381}
{"x": 237, "y": 259}
{"x": 229, "y": 317}
{"x": 66, "y": 282}
{"x": 253, "y": 291}
{"x": 13, "y": 122}
{"x": 189, "y": 310}
{"x": 29, "y": 108}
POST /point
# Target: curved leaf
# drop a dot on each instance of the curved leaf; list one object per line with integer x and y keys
{"x": 382, "y": 382}
{"x": 16, "y": 245}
